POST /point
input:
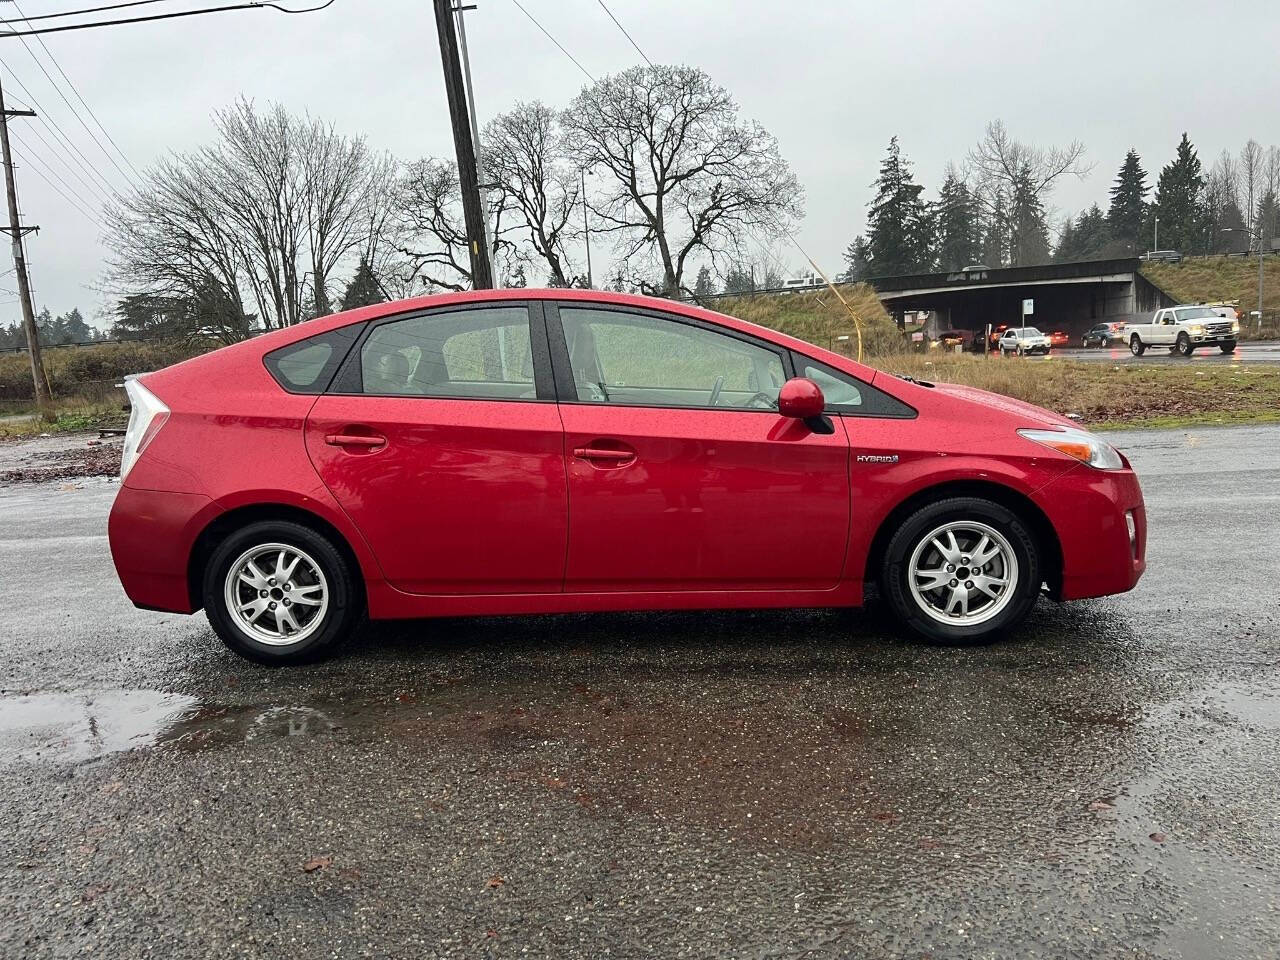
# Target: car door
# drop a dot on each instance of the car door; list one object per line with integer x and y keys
{"x": 682, "y": 474}
{"x": 1165, "y": 328}
{"x": 441, "y": 440}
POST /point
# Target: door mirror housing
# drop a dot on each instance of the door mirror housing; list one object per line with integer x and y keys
{"x": 801, "y": 399}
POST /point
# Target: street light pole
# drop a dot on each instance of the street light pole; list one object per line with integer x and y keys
{"x": 586, "y": 228}
{"x": 1155, "y": 240}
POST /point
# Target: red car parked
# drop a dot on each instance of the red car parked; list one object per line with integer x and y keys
{"x": 529, "y": 451}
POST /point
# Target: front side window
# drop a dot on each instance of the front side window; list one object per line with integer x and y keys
{"x": 483, "y": 353}
{"x": 640, "y": 360}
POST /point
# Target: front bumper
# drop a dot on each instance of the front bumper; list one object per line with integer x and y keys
{"x": 1090, "y": 510}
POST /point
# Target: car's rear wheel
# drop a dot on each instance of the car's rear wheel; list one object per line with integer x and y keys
{"x": 962, "y": 570}
{"x": 1136, "y": 346}
{"x": 1229, "y": 347}
{"x": 278, "y": 592}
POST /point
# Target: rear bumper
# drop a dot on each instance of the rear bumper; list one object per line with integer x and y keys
{"x": 151, "y": 535}
{"x": 1089, "y": 509}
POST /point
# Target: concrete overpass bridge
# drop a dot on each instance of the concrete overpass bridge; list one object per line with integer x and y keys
{"x": 1068, "y": 296}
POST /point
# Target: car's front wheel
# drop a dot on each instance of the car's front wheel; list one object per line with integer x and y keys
{"x": 279, "y": 592}
{"x": 1228, "y": 347}
{"x": 962, "y": 570}
{"x": 1184, "y": 346}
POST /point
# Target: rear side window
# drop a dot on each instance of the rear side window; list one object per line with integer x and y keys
{"x": 308, "y": 365}
{"x": 850, "y": 396}
{"x": 480, "y": 353}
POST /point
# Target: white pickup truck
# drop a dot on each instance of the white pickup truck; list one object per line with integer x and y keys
{"x": 1182, "y": 329}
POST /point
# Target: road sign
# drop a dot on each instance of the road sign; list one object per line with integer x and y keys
{"x": 1028, "y": 307}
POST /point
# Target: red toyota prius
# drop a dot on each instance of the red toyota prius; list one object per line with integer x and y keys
{"x": 533, "y": 451}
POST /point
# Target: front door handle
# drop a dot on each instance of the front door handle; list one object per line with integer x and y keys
{"x": 354, "y": 440}
{"x": 604, "y": 455}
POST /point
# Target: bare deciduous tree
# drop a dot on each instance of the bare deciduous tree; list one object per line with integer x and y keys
{"x": 999, "y": 163}
{"x": 426, "y": 228}
{"x": 269, "y": 212}
{"x": 1252, "y": 178}
{"x": 524, "y": 156}
{"x": 686, "y": 175}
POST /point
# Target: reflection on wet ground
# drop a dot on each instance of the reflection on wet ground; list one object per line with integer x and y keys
{"x": 86, "y": 724}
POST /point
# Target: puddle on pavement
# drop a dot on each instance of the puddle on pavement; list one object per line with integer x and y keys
{"x": 84, "y": 725}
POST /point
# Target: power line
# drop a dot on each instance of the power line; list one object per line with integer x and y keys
{"x": 624, "y": 32}
{"x": 79, "y": 97}
{"x": 36, "y": 156}
{"x": 260, "y": 5}
{"x": 77, "y": 13}
{"x": 59, "y": 133}
{"x": 554, "y": 40}
{"x": 54, "y": 151}
{"x": 74, "y": 112}
{"x": 57, "y": 189}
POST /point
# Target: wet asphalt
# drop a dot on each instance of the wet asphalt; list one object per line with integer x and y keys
{"x": 757, "y": 785}
{"x": 1265, "y": 352}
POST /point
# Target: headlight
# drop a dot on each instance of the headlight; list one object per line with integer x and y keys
{"x": 1196, "y": 330}
{"x": 1079, "y": 444}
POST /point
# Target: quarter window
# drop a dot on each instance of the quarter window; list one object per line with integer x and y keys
{"x": 846, "y": 394}
{"x": 481, "y": 353}
{"x": 308, "y": 365}
{"x": 640, "y": 360}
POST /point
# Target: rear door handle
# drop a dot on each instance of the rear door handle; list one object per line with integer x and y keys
{"x": 354, "y": 440}
{"x": 604, "y": 455}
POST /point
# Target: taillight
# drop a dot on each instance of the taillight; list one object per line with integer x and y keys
{"x": 147, "y": 414}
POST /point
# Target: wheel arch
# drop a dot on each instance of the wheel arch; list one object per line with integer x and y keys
{"x": 1008, "y": 497}
{"x": 231, "y": 520}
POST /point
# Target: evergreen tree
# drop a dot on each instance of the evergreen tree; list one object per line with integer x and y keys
{"x": 995, "y": 235}
{"x": 1180, "y": 202}
{"x": 702, "y": 286}
{"x": 956, "y": 225}
{"x": 895, "y": 223}
{"x": 1086, "y": 239}
{"x": 1127, "y": 212}
{"x": 1028, "y": 228}
{"x": 1267, "y": 219}
{"x": 364, "y": 289}
{"x": 739, "y": 279}
{"x": 857, "y": 258}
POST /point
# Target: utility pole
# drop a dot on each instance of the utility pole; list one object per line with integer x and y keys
{"x": 472, "y": 206}
{"x": 16, "y": 232}
{"x": 490, "y": 226}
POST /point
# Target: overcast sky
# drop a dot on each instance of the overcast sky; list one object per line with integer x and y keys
{"x": 832, "y": 79}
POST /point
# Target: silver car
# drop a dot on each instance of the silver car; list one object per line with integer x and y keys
{"x": 1023, "y": 340}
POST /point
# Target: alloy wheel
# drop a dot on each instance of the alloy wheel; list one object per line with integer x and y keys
{"x": 276, "y": 594}
{"x": 963, "y": 573}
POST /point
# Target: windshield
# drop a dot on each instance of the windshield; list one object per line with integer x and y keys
{"x": 1195, "y": 313}
{"x": 1028, "y": 331}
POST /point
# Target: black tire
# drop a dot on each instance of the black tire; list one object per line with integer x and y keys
{"x": 345, "y": 600}
{"x": 895, "y": 582}
{"x": 1018, "y": 350}
{"x": 1229, "y": 347}
{"x": 1183, "y": 346}
{"x": 1136, "y": 346}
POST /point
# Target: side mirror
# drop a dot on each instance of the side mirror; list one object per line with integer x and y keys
{"x": 801, "y": 399}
